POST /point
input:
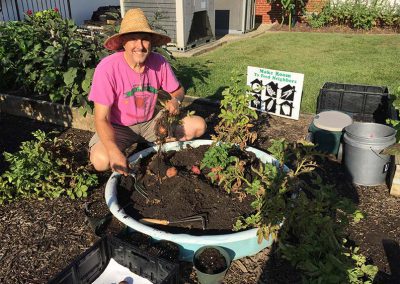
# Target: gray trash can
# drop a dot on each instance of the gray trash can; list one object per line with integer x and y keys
{"x": 363, "y": 143}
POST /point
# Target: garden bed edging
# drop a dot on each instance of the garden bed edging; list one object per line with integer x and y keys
{"x": 59, "y": 114}
{"x": 46, "y": 112}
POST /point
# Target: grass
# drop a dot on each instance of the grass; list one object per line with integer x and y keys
{"x": 321, "y": 57}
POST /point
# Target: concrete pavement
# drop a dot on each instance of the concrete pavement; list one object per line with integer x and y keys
{"x": 263, "y": 28}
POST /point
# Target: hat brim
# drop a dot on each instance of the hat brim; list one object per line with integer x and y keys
{"x": 115, "y": 43}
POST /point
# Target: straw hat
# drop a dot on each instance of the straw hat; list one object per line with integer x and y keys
{"x": 135, "y": 21}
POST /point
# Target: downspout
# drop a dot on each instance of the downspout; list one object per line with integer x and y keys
{"x": 244, "y": 14}
{"x": 180, "y": 24}
{"x": 122, "y": 7}
{"x": 253, "y": 15}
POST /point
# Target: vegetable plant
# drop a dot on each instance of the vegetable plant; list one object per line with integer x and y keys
{"x": 49, "y": 56}
{"x": 357, "y": 15}
{"x": 294, "y": 206}
{"x": 235, "y": 124}
{"x": 233, "y": 132}
{"x": 42, "y": 169}
{"x": 289, "y": 8}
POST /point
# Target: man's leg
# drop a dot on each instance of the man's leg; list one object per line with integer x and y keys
{"x": 99, "y": 157}
{"x": 192, "y": 127}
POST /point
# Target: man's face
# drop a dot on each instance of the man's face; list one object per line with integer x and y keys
{"x": 137, "y": 46}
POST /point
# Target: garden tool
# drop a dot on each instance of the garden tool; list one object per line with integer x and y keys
{"x": 195, "y": 218}
{"x": 139, "y": 187}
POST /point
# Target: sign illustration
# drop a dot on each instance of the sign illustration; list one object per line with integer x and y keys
{"x": 276, "y": 92}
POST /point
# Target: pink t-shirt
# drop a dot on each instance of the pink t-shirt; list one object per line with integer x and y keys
{"x": 131, "y": 96}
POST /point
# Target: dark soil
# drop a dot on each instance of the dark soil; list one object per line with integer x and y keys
{"x": 210, "y": 261}
{"x": 193, "y": 195}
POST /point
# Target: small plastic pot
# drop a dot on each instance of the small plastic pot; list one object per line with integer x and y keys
{"x": 97, "y": 223}
{"x": 211, "y": 277}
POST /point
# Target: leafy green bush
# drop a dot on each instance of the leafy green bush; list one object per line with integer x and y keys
{"x": 308, "y": 216}
{"x": 235, "y": 118}
{"x": 320, "y": 20}
{"x": 49, "y": 56}
{"x": 357, "y": 15}
{"x": 363, "y": 17}
{"x": 233, "y": 133}
{"x": 42, "y": 168}
{"x": 294, "y": 207}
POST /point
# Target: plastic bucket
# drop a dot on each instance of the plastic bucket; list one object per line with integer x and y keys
{"x": 327, "y": 130}
{"x": 363, "y": 145}
{"x": 206, "y": 278}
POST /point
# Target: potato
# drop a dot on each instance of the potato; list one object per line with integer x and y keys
{"x": 171, "y": 172}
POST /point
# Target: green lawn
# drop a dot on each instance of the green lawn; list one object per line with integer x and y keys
{"x": 345, "y": 58}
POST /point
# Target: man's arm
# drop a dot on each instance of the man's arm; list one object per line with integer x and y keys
{"x": 177, "y": 97}
{"x": 106, "y": 134}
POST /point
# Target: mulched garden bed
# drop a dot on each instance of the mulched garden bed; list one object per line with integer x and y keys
{"x": 303, "y": 27}
{"x": 39, "y": 238}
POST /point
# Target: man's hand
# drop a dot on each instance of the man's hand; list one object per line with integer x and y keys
{"x": 176, "y": 96}
{"x": 118, "y": 162}
{"x": 172, "y": 106}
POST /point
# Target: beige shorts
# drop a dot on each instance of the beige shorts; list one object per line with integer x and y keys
{"x": 125, "y": 136}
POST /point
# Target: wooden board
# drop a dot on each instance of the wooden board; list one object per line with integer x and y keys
{"x": 394, "y": 181}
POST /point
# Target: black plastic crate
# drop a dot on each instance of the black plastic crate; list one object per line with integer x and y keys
{"x": 91, "y": 264}
{"x": 364, "y": 103}
{"x": 356, "y": 88}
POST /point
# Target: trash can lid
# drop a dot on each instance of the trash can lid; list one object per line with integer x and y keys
{"x": 332, "y": 120}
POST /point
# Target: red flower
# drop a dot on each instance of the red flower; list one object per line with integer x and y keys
{"x": 56, "y": 9}
{"x": 29, "y": 12}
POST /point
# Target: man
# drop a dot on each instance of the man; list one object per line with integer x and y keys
{"x": 124, "y": 92}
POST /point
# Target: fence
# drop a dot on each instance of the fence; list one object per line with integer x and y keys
{"x": 14, "y": 10}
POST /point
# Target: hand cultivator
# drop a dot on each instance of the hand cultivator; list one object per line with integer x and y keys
{"x": 195, "y": 218}
{"x": 139, "y": 187}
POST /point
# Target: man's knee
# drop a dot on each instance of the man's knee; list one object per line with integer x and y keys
{"x": 200, "y": 126}
{"x": 194, "y": 127}
{"x": 99, "y": 159}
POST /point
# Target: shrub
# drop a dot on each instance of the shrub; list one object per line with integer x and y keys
{"x": 42, "y": 168}
{"x": 49, "y": 56}
{"x": 294, "y": 207}
{"x": 357, "y": 15}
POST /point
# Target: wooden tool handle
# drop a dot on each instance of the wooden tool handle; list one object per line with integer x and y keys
{"x": 154, "y": 221}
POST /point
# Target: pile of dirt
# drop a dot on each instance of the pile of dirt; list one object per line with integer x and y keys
{"x": 188, "y": 193}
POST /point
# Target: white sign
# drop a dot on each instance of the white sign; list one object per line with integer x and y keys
{"x": 276, "y": 92}
{"x": 115, "y": 273}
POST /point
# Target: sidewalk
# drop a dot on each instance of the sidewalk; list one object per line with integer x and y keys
{"x": 263, "y": 28}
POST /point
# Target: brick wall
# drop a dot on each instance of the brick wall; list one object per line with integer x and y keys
{"x": 267, "y": 13}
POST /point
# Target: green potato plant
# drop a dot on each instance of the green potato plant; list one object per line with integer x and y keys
{"x": 294, "y": 206}
{"x": 41, "y": 169}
